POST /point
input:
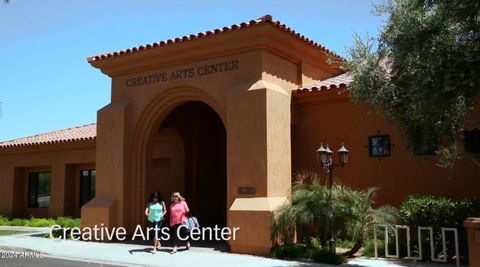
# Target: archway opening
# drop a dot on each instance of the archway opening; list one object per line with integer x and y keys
{"x": 187, "y": 153}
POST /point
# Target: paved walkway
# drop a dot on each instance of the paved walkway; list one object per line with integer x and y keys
{"x": 139, "y": 255}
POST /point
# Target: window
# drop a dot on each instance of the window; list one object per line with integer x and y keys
{"x": 39, "y": 184}
{"x": 379, "y": 145}
{"x": 87, "y": 186}
{"x": 472, "y": 141}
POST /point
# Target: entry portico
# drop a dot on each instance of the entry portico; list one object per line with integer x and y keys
{"x": 242, "y": 75}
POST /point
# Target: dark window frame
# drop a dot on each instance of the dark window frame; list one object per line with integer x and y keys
{"x": 471, "y": 139}
{"x": 377, "y": 154}
{"x": 86, "y": 180}
{"x": 34, "y": 189}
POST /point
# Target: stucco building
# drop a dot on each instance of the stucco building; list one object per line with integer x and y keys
{"x": 225, "y": 117}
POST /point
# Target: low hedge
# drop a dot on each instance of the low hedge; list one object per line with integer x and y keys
{"x": 440, "y": 212}
{"x": 3, "y": 220}
{"x": 41, "y": 222}
{"x": 68, "y": 222}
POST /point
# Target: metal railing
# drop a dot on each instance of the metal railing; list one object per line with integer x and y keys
{"x": 419, "y": 231}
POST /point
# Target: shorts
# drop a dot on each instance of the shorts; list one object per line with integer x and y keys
{"x": 156, "y": 232}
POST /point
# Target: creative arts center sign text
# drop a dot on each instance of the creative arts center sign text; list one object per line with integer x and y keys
{"x": 184, "y": 73}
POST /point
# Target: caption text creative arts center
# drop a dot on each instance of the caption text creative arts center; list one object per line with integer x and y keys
{"x": 99, "y": 233}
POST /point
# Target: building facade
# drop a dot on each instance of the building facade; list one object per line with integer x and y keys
{"x": 224, "y": 117}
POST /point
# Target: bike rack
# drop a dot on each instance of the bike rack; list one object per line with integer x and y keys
{"x": 419, "y": 231}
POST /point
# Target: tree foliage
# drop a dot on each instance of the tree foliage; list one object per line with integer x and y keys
{"x": 423, "y": 70}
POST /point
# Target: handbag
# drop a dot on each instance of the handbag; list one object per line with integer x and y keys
{"x": 191, "y": 223}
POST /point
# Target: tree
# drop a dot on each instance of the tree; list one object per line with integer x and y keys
{"x": 423, "y": 71}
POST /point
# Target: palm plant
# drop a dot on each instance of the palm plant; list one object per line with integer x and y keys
{"x": 313, "y": 205}
{"x": 283, "y": 225}
{"x": 366, "y": 217}
{"x": 311, "y": 209}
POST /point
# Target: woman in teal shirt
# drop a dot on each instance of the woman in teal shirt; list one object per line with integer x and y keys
{"x": 155, "y": 211}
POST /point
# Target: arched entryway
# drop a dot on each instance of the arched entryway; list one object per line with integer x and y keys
{"x": 187, "y": 153}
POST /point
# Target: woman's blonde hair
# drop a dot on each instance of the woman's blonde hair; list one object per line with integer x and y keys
{"x": 177, "y": 194}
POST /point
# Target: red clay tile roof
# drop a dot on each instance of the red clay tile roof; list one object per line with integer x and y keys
{"x": 89, "y": 131}
{"x": 80, "y": 133}
{"x": 263, "y": 20}
{"x": 339, "y": 81}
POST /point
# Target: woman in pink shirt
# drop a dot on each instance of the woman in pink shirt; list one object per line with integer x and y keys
{"x": 178, "y": 215}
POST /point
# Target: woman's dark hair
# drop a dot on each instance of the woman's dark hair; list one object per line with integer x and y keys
{"x": 156, "y": 195}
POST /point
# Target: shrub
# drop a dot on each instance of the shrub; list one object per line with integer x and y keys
{"x": 315, "y": 243}
{"x": 40, "y": 222}
{"x": 467, "y": 207}
{"x": 369, "y": 249}
{"x": 314, "y": 207}
{"x": 440, "y": 212}
{"x": 325, "y": 256}
{"x": 277, "y": 252}
{"x": 344, "y": 243}
{"x": 301, "y": 251}
{"x": 67, "y": 222}
{"x": 310, "y": 210}
{"x": 428, "y": 211}
{"x": 293, "y": 251}
{"x": 4, "y": 220}
{"x": 18, "y": 222}
{"x": 283, "y": 224}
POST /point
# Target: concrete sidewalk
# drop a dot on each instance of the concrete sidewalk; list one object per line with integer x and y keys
{"x": 139, "y": 255}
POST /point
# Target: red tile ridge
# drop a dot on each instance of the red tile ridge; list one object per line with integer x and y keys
{"x": 261, "y": 20}
{"x": 78, "y": 133}
{"x": 336, "y": 82}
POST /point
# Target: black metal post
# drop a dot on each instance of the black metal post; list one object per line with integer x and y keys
{"x": 331, "y": 245}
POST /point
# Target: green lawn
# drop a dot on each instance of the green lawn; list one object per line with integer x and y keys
{"x": 11, "y": 232}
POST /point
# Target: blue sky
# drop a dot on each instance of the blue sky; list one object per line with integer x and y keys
{"x": 46, "y": 83}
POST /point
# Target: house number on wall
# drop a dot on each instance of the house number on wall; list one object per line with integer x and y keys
{"x": 246, "y": 190}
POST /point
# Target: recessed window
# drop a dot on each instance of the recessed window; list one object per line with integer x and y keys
{"x": 379, "y": 145}
{"x": 472, "y": 141}
{"x": 39, "y": 184}
{"x": 87, "y": 186}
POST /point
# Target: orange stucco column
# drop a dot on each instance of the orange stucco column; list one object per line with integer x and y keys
{"x": 473, "y": 233}
{"x": 57, "y": 201}
{"x": 106, "y": 209}
{"x": 7, "y": 189}
{"x": 258, "y": 165}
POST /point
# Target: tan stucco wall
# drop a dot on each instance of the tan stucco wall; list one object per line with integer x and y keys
{"x": 253, "y": 101}
{"x": 334, "y": 119}
{"x": 64, "y": 161}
